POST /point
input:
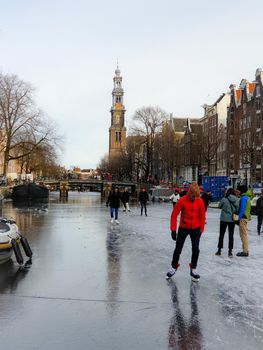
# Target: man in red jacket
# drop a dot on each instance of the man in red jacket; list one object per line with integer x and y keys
{"x": 192, "y": 223}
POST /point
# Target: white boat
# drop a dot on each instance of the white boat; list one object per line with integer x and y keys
{"x": 10, "y": 238}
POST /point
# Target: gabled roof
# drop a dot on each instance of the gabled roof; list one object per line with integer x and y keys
{"x": 179, "y": 124}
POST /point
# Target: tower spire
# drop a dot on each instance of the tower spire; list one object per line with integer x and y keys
{"x": 117, "y": 131}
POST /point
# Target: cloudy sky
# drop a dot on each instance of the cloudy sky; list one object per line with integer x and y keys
{"x": 174, "y": 54}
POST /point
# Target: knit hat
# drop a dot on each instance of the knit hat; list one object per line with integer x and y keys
{"x": 242, "y": 189}
{"x": 194, "y": 189}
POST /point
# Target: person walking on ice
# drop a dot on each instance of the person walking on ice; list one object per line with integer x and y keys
{"x": 192, "y": 223}
{"x": 259, "y": 208}
{"x": 143, "y": 199}
{"x": 228, "y": 205}
{"x": 125, "y": 200}
{"x": 114, "y": 202}
{"x": 243, "y": 217}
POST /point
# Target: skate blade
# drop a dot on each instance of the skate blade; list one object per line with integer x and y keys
{"x": 195, "y": 279}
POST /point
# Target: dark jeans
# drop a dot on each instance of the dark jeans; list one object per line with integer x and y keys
{"x": 143, "y": 205}
{"x": 260, "y": 217}
{"x": 231, "y": 227}
{"x": 195, "y": 238}
{"x": 112, "y": 211}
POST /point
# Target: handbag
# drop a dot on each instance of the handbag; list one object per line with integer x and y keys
{"x": 235, "y": 216}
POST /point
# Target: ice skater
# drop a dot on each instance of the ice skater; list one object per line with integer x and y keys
{"x": 143, "y": 199}
{"x": 192, "y": 223}
{"x": 174, "y": 197}
{"x": 125, "y": 200}
{"x": 114, "y": 202}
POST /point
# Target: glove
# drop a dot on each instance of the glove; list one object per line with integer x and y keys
{"x": 174, "y": 235}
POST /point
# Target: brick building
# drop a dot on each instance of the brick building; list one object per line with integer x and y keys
{"x": 213, "y": 150}
{"x": 244, "y": 130}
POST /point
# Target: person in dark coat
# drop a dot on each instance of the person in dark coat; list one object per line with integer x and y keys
{"x": 125, "y": 199}
{"x": 228, "y": 205}
{"x": 207, "y": 198}
{"x": 114, "y": 202}
{"x": 259, "y": 208}
{"x": 143, "y": 199}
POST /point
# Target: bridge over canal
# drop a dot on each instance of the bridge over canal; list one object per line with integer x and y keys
{"x": 91, "y": 185}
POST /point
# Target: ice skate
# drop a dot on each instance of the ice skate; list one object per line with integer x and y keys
{"x": 195, "y": 276}
{"x": 218, "y": 252}
{"x": 117, "y": 222}
{"x": 112, "y": 221}
{"x": 170, "y": 273}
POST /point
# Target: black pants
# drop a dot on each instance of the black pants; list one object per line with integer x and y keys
{"x": 231, "y": 227}
{"x": 260, "y": 217}
{"x": 195, "y": 238}
{"x": 143, "y": 205}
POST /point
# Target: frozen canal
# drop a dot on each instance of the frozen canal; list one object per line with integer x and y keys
{"x": 94, "y": 286}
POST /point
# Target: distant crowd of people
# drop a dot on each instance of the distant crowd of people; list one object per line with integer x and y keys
{"x": 116, "y": 197}
{"x": 192, "y": 206}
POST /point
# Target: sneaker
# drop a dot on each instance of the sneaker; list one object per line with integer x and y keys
{"x": 195, "y": 276}
{"x": 242, "y": 254}
{"x": 117, "y": 222}
{"x": 218, "y": 252}
{"x": 230, "y": 254}
{"x": 112, "y": 221}
{"x": 170, "y": 273}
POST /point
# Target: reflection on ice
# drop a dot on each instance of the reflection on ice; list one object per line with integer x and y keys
{"x": 184, "y": 332}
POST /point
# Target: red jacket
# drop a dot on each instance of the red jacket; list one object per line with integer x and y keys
{"x": 192, "y": 213}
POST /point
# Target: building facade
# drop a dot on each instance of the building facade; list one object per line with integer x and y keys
{"x": 188, "y": 158}
{"x": 213, "y": 150}
{"x": 117, "y": 130}
{"x": 244, "y": 130}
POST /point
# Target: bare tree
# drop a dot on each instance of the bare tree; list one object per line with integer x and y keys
{"x": 209, "y": 150}
{"x": 165, "y": 152}
{"x": 23, "y": 125}
{"x": 147, "y": 123}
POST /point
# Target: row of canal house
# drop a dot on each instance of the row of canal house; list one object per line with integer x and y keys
{"x": 227, "y": 140}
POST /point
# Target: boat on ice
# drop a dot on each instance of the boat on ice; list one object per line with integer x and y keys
{"x": 10, "y": 241}
{"x": 30, "y": 191}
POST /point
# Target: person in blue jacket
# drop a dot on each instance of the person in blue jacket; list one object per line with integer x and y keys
{"x": 243, "y": 217}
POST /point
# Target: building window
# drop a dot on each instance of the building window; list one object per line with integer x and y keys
{"x": 118, "y": 136}
{"x": 244, "y": 108}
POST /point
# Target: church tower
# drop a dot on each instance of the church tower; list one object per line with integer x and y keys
{"x": 117, "y": 130}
